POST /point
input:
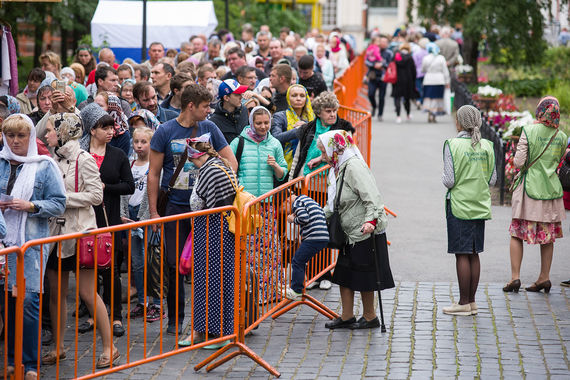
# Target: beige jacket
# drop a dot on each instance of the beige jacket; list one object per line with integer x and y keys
{"x": 26, "y": 106}
{"x": 79, "y": 214}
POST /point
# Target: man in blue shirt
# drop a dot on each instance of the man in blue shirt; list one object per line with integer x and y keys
{"x": 167, "y": 149}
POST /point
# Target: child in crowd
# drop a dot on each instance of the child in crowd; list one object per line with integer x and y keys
{"x": 314, "y": 237}
{"x": 134, "y": 208}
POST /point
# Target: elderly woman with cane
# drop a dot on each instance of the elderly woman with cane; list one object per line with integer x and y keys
{"x": 364, "y": 222}
{"x": 468, "y": 169}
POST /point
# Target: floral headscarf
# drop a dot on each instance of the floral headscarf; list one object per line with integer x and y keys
{"x": 548, "y": 112}
{"x": 11, "y": 103}
{"x": 339, "y": 146}
{"x": 67, "y": 126}
{"x": 292, "y": 118}
{"x": 148, "y": 117}
{"x": 116, "y": 111}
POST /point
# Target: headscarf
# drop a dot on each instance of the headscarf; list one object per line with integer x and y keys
{"x": 469, "y": 119}
{"x": 432, "y": 48}
{"x": 548, "y": 112}
{"x": 148, "y": 117}
{"x": 68, "y": 70}
{"x": 90, "y": 115}
{"x": 251, "y": 131}
{"x": 339, "y": 146}
{"x": 307, "y": 115}
{"x": 116, "y": 111}
{"x": 67, "y": 126}
{"x": 50, "y": 77}
{"x": 335, "y": 48}
{"x": 11, "y": 103}
{"x": 24, "y": 185}
{"x": 195, "y": 153}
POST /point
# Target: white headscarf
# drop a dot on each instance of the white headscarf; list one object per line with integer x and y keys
{"x": 24, "y": 185}
{"x": 339, "y": 146}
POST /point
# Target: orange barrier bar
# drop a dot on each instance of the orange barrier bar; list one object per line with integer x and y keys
{"x": 221, "y": 318}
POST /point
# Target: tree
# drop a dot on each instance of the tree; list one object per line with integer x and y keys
{"x": 513, "y": 28}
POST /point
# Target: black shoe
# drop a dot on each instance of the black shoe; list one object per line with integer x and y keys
{"x": 83, "y": 311}
{"x": 47, "y": 337}
{"x": 118, "y": 329}
{"x": 566, "y": 283}
{"x": 171, "y": 329}
{"x": 338, "y": 323}
{"x": 364, "y": 324}
{"x": 85, "y": 327}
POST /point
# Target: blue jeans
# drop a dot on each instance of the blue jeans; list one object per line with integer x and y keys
{"x": 420, "y": 88}
{"x": 31, "y": 317}
{"x": 303, "y": 254}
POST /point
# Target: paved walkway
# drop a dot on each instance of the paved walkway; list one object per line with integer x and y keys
{"x": 522, "y": 335}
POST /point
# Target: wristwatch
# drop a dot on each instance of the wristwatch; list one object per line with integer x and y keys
{"x": 33, "y": 208}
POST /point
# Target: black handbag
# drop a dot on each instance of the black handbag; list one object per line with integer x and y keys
{"x": 337, "y": 237}
{"x": 564, "y": 175}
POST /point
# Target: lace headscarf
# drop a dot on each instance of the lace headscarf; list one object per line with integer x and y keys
{"x": 548, "y": 112}
{"x": 469, "y": 119}
{"x": 67, "y": 126}
{"x": 116, "y": 111}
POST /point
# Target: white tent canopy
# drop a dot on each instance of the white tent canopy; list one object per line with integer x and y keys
{"x": 119, "y": 23}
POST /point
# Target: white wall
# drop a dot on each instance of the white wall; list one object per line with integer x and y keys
{"x": 349, "y": 19}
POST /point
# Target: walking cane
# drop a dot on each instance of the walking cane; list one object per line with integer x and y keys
{"x": 378, "y": 286}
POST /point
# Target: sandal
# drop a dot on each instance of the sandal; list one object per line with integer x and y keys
{"x": 104, "y": 360}
{"x": 51, "y": 357}
{"x": 198, "y": 338}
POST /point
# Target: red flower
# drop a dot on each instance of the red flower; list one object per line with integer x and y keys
{"x": 339, "y": 140}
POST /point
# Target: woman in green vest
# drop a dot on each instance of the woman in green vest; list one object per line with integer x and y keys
{"x": 468, "y": 170}
{"x": 538, "y": 208}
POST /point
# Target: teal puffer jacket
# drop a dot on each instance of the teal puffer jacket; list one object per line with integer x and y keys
{"x": 254, "y": 173}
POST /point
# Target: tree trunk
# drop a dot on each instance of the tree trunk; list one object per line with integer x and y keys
{"x": 470, "y": 52}
{"x": 38, "y": 42}
{"x": 64, "y": 36}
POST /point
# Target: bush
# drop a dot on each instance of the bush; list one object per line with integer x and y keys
{"x": 555, "y": 63}
{"x": 561, "y": 91}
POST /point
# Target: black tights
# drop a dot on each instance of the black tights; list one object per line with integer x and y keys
{"x": 406, "y": 105}
{"x": 468, "y": 270}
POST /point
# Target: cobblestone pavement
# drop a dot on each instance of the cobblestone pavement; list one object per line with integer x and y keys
{"x": 522, "y": 335}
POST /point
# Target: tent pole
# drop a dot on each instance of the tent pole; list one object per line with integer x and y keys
{"x": 143, "y": 47}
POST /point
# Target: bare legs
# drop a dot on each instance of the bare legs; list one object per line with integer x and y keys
{"x": 86, "y": 291}
{"x": 58, "y": 290}
{"x": 546, "y": 253}
{"x": 347, "y": 300}
{"x": 468, "y": 271}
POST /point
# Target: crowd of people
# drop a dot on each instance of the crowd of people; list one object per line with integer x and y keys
{"x": 423, "y": 61}
{"x": 100, "y": 143}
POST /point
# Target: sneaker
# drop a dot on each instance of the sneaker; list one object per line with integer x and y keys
{"x": 474, "y": 309}
{"x": 398, "y": 120}
{"x": 457, "y": 309}
{"x": 153, "y": 313}
{"x": 312, "y": 285}
{"x": 409, "y": 117}
{"x": 566, "y": 283}
{"x": 138, "y": 311}
{"x": 292, "y": 295}
{"x": 325, "y": 285}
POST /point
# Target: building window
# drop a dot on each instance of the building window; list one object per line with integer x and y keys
{"x": 383, "y": 3}
{"x": 329, "y": 14}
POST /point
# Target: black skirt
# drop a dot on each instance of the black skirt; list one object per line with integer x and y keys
{"x": 464, "y": 236}
{"x": 355, "y": 266}
{"x": 68, "y": 264}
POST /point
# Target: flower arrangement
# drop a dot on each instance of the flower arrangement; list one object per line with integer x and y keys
{"x": 463, "y": 69}
{"x": 515, "y": 127}
{"x": 489, "y": 92}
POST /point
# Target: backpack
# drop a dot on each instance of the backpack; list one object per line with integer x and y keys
{"x": 253, "y": 219}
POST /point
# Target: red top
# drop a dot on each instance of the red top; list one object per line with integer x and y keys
{"x": 98, "y": 159}
{"x": 91, "y": 76}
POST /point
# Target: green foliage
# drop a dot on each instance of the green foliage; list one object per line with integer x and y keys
{"x": 561, "y": 90}
{"x": 250, "y": 11}
{"x": 513, "y": 28}
{"x": 555, "y": 63}
{"x": 523, "y": 87}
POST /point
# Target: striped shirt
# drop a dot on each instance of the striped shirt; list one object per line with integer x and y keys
{"x": 214, "y": 186}
{"x": 311, "y": 217}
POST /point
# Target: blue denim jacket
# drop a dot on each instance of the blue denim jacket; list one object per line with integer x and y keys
{"x": 49, "y": 198}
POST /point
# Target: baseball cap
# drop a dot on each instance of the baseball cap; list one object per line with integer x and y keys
{"x": 230, "y": 86}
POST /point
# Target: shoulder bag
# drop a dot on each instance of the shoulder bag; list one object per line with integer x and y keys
{"x": 101, "y": 243}
{"x": 337, "y": 237}
{"x": 564, "y": 174}
{"x": 523, "y": 171}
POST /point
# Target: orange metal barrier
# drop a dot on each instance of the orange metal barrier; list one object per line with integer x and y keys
{"x": 221, "y": 321}
{"x": 348, "y": 85}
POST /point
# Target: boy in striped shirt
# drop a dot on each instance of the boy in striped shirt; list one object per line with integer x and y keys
{"x": 314, "y": 237}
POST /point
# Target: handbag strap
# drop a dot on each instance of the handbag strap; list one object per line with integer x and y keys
{"x": 524, "y": 170}
{"x": 232, "y": 181}
{"x": 337, "y": 200}
{"x": 178, "y": 169}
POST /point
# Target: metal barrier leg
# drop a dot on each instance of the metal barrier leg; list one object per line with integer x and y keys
{"x": 309, "y": 301}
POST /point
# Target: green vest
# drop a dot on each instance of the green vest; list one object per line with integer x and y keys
{"x": 541, "y": 181}
{"x": 472, "y": 168}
